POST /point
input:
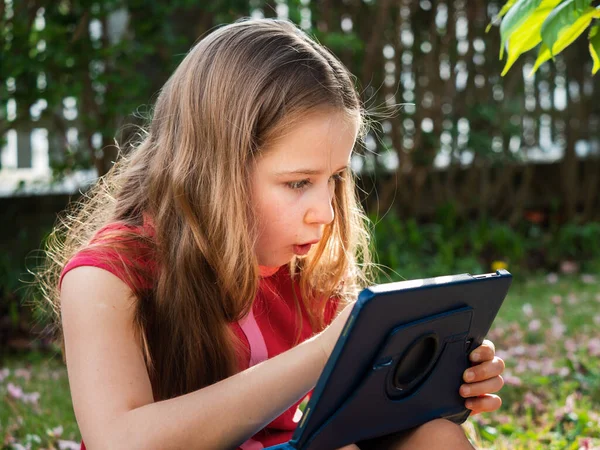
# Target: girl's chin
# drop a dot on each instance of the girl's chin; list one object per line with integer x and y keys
{"x": 274, "y": 262}
{"x": 271, "y": 259}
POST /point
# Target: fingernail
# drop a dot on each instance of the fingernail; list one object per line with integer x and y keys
{"x": 469, "y": 375}
{"x": 475, "y": 356}
{"x": 469, "y": 404}
{"x": 466, "y": 390}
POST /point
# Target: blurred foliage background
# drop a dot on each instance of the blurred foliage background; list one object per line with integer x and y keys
{"x": 464, "y": 170}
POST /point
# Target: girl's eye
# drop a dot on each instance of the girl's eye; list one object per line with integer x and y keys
{"x": 298, "y": 185}
{"x": 304, "y": 184}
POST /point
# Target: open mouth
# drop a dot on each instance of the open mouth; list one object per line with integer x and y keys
{"x": 302, "y": 249}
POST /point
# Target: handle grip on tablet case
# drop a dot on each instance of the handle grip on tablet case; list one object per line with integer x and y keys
{"x": 415, "y": 364}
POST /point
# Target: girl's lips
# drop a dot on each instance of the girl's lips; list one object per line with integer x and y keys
{"x": 302, "y": 249}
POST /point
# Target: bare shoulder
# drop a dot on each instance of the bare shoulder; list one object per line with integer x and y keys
{"x": 106, "y": 368}
{"x": 90, "y": 287}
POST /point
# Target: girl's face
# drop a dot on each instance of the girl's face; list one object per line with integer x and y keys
{"x": 293, "y": 184}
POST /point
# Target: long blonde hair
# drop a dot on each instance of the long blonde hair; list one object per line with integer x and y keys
{"x": 238, "y": 88}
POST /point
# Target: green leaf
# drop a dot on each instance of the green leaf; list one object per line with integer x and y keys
{"x": 527, "y": 35}
{"x": 563, "y": 17}
{"x": 514, "y": 18}
{"x": 505, "y": 8}
{"x": 566, "y": 37}
{"x": 595, "y": 47}
{"x": 501, "y": 14}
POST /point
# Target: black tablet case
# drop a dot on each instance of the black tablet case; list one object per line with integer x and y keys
{"x": 400, "y": 358}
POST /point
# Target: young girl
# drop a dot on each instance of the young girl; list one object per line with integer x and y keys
{"x": 198, "y": 284}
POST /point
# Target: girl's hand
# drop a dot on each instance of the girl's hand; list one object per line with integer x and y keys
{"x": 482, "y": 379}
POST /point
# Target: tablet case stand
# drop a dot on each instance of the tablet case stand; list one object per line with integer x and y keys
{"x": 402, "y": 368}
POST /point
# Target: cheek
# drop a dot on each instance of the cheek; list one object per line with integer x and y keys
{"x": 268, "y": 214}
{"x": 279, "y": 218}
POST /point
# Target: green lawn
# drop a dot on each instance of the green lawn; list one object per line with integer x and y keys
{"x": 547, "y": 331}
{"x": 35, "y": 404}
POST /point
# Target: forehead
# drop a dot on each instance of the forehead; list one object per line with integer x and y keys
{"x": 319, "y": 141}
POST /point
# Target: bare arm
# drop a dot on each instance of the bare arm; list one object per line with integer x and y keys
{"x": 111, "y": 391}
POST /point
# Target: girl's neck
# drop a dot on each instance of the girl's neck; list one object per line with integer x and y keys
{"x": 266, "y": 271}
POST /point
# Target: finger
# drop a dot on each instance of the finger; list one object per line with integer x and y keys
{"x": 484, "y": 371}
{"x": 482, "y": 388}
{"x": 485, "y": 352}
{"x": 487, "y": 403}
{"x": 490, "y": 344}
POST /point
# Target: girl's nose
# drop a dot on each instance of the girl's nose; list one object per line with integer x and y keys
{"x": 320, "y": 210}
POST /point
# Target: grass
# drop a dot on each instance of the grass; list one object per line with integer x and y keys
{"x": 32, "y": 423}
{"x": 547, "y": 332}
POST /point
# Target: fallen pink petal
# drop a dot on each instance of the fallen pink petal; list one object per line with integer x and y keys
{"x": 14, "y": 391}
{"x": 23, "y": 373}
{"x": 69, "y": 445}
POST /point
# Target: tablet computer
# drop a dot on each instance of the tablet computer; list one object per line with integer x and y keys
{"x": 399, "y": 360}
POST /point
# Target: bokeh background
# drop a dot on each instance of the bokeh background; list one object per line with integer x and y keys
{"x": 463, "y": 170}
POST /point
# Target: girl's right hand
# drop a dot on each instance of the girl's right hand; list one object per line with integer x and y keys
{"x": 329, "y": 336}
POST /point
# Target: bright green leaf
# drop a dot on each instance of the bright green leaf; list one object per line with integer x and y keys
{"x": 563, "y": 17}
{"x": 514, "y": 18}
{"x": 595, "y": 47}
{"x": 501, "y": 14}
{"x": 527, "y": 35}
{"x": 566, "y": 37}
{"x": 543, "y": 56}
{"x": 505, "y": 8}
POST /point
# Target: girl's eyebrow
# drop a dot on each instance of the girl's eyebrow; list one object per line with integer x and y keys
{"x": 308, "y": 171}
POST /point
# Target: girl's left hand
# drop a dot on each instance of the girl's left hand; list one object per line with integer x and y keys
{"x": 482, "y": 379}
